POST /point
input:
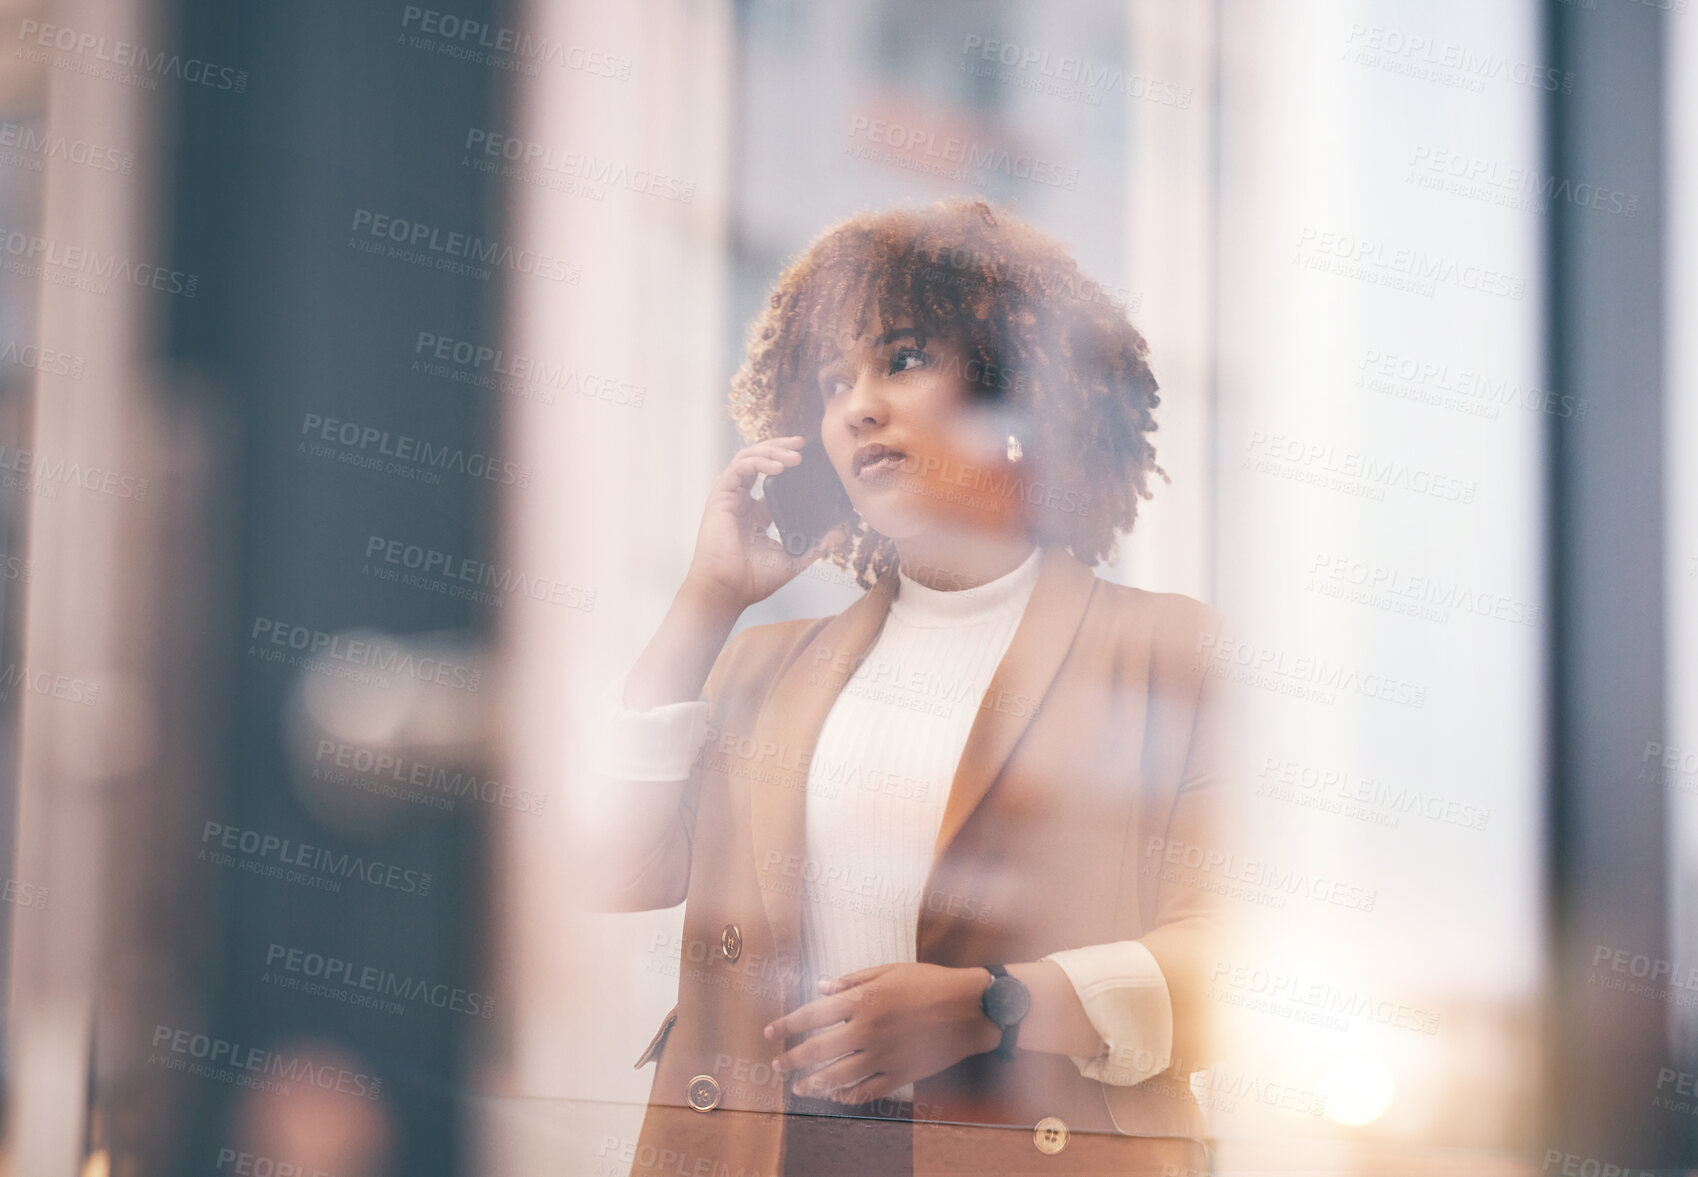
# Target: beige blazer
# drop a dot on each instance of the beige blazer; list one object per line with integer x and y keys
{"x": 1099, "y": 741}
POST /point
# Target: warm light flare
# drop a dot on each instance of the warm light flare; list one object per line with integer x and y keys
{"x": 1359, "y": 1090}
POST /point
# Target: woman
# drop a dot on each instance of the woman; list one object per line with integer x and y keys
{"x": 921, "y": 843}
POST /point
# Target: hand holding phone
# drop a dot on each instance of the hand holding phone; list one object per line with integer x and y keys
{"x": 807, "y": 500}
{"x": 735, "y": 562}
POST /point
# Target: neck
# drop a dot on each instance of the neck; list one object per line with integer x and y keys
{"x": 962, "y": 560}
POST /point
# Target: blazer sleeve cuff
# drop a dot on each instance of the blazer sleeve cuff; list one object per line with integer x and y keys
{"x": 659, "y": 744}
{"x": 1125, "y": 996}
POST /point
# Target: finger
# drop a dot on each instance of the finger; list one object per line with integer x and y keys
{"x": 750, "y": 464}
{"x": 732, "y": 479}
{"x": 785, "y": 458}
{"x": 738, "y": 479}
{"x": 854, "y": 994}
{"x": 874, "y": 1086}
{"x": 851, "y": 980}
{"x": 838, "y": 1080}
{"x": 821, "y": 1049}
{"x": 780, "y": 448}
{"x": 742, "y": 469}
{"x": 825, "y": 1011}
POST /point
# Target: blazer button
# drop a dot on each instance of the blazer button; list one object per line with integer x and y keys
{"x": 731, "y": 942}
{"x": 703, "y": 1093}
{"x": 1050, "y": 1135}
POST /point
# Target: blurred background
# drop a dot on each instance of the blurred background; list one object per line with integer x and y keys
{"x": 362, "y": 374}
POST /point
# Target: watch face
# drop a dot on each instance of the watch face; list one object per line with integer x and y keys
{"x": 1006, "y": 1001}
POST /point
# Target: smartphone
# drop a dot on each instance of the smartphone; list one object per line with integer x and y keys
{"x": 807, "y": 499}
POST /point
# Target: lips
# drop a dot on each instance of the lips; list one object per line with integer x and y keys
{"x": 877, "y": 459}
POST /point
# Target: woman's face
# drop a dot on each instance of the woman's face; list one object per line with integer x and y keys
{"x": 901, "y": 428}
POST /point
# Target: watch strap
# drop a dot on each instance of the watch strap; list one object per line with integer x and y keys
{"x": 1004, "y": 1050}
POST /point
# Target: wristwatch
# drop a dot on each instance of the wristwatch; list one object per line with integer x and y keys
{"x": 1005, "y": 1002}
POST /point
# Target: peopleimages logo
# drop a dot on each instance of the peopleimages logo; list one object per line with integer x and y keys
{"x": 342, "y": 763}
{"x": 1354, "y": 472}
{"x": 1167, "y": 859}
{"x": 252, "y": 1066}
{"x": 123, "y": 53}
{"x": 42, "y": 682}
{"x": 40, "y": 145}
{"x": 39, "y": 471}
{"x": 997, "y": 483}
{"x": 267, "y": 849}
{"x": 1645, "y": 968}
{"x": 1430, "y": 598}
{"x": 1232, "y": 983}
{"x": 384, "y": 658}
{"x": 474, "y": 38}
{"x": 1574, "y": 1165}
{"x": 1305, "y": 676}
{"x": 331, "y": 976}
{"x": 455, "y": 250}
{"x": 248, "y": 1164}
{"x": 1463, "y": 175}
{"x": 516, "y": 374}
{"x": 369, "y": 444}
{"x": 914, "y": 145}
{"x": 41, "y": 257}
{"x": 24, "y": 894}
{"x": 1082, "y": 71}
{"x": 1063, "y": 283}
{"x": 1447, "y": 62}
{"x": 535, "y": 159}
{"x": 1476, "y": 394}
{"x": 460, "y": 576}
{"x": 42, "y": 359}
{"x": 1372, "y": 799}
{"x": 1399, "y": 267}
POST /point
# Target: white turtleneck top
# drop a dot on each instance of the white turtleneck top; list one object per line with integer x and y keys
{"x": 877, "y": 785}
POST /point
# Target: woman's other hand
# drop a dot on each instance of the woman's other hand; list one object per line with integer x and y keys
{"x": 736, "y": 563}
{"x": 892, "y": 1024}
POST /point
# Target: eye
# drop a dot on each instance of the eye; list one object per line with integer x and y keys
{"x": 831, "y": 383}
{"x": 905, "y": 359}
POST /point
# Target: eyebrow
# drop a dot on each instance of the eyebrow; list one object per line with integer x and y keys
{"x": 832, "y": 354}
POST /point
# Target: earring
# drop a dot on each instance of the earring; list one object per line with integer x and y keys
{"x": 1014, "y": 450}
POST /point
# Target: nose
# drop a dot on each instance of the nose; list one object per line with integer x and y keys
{"x": 865, "y": 405}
